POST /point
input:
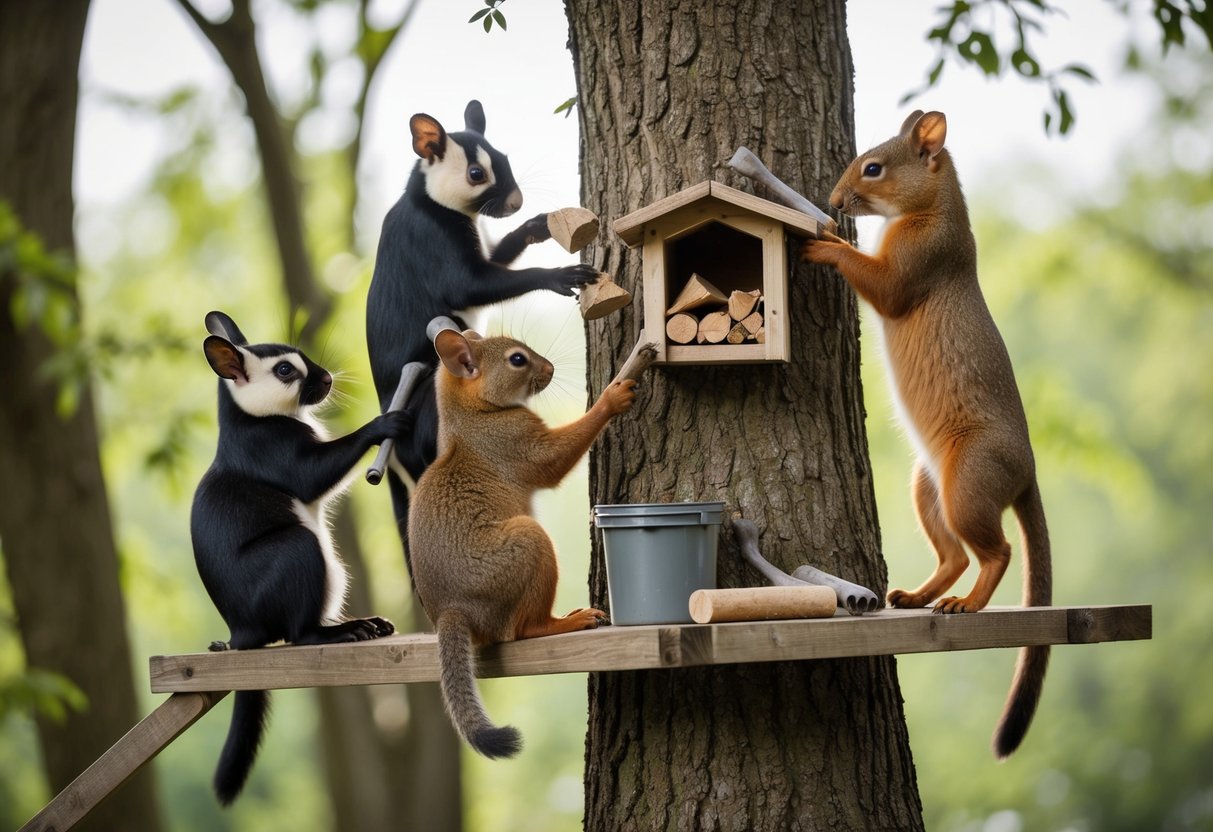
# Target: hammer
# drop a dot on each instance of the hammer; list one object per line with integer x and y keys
{"x": 751, "y": 167}
{"x": 854, "y": 598}
{"x": 410, "y": 374}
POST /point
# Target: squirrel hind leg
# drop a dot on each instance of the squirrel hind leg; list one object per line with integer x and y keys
{"x": 979, "y": 525}
{"x": 953, "y": 560}
{"x": 579, "y": 619}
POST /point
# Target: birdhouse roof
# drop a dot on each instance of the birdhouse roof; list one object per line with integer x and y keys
{"x": 631, "y": 227}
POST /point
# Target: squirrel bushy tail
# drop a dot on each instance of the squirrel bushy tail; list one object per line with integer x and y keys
{"x": 249, "y": 712}
{"x": 459, "y": 693}
{"x": 1033, "y": 661}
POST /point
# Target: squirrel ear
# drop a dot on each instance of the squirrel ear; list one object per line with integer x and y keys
{"x": 473, "y": 117}
{"x": 225, "y": 359}
{"x": 456, "y": 353}
{"x": 908, "y": 124}
{"x": 929, "y": 133}
{"x": 217, "y": 323}
{"x": 429, "y": 139}
{"x": 472, "y": 335}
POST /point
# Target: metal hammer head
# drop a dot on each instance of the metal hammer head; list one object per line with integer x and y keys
{"x": 438, "y": 324}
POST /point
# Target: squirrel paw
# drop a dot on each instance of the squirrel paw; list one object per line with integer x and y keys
{"x": 568, "y": 278}
{"x": 365, "y": 629}
{"x": 619, "y": 396}
{"x": 905, "y": 600}
{"x": 953, "y": 605}
{"x": 588, "y": 618}
{"x": 824, "y": 250}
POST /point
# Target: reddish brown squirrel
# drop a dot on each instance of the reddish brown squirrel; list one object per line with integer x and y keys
{"x": 484, "y": 569}
{"x": 952, "y": 382}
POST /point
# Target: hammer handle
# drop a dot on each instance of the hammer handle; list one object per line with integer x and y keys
{"x": 409, "y": 375}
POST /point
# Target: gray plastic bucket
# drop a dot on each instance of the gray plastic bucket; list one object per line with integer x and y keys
{"x": 657, "y": 554}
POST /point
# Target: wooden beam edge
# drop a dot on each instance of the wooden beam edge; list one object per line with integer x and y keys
{"x": 410, "y": 658}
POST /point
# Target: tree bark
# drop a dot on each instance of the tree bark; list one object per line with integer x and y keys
{"x": 55, "y": 526}
{"x": 667, "y": 90}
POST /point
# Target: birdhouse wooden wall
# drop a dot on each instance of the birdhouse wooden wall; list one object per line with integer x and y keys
{"x": 715, "y": 274}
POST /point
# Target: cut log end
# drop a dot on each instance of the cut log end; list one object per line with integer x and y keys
{"x": 602, "y": 297}
{"x": 682, "y": 328}
{"x": 573, "y": 228}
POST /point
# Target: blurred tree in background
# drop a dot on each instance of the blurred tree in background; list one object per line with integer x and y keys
{"x": 1108, "y": 314}
{"x": 58, "y": 544}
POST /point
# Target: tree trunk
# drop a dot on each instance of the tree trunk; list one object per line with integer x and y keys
{"x": 54, "y": 517}
{"x": 667, "y": 90}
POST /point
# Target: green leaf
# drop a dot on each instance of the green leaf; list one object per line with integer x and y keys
{"x": 1170, "y": 18}
{"x": 488, "y": 23}
{"x": 978, "y": 48}
{"x": 1067, "y": 115}
{"x": 478, "y": 15}
{"x": 1025, "y": 64}
{"x": 500, "y": 18}
{"x": 566, "y": 107}
{"x": 936, "y": 71}
{"x": 50, "y": 694}
{"x": 1079, "y": 70}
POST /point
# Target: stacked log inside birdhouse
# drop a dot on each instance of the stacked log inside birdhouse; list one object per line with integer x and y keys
{"x": 702, "y": 314}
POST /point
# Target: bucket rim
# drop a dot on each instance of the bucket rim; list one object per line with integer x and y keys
{"x": 647, "y": 509}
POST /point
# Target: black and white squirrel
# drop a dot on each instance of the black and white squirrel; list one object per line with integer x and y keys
{"x": 261, "y": 540}
{"x": 431, "y": 263}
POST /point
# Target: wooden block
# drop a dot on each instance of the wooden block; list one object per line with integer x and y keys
{"x": 698, "y": 292}
{"x": 573, "y": 228}
{"x": 762, "y": 603}
{"x": 761, "y": 335}
{"x": 742, "y": 304}
{"x": 714, "y": 327}
{"x": 602, "y": 297}
{"x": 682, "y": 328}
{"x": 752, "y": 323}
{"x": 737, "y": 334}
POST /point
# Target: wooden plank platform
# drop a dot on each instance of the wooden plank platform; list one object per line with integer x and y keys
{"x": 413, "y": 657}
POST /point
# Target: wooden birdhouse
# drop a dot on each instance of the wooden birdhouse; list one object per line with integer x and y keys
{"x": 715, "y": 274}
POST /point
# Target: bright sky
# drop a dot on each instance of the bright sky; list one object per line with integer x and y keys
{"x": 149, "y": 47}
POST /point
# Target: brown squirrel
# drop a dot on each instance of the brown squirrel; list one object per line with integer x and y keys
{"x": 952, "y": 381}
{"x": 484, "y": 569}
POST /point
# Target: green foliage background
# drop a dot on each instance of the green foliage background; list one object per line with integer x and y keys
{"x": 1108, "y": 314}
